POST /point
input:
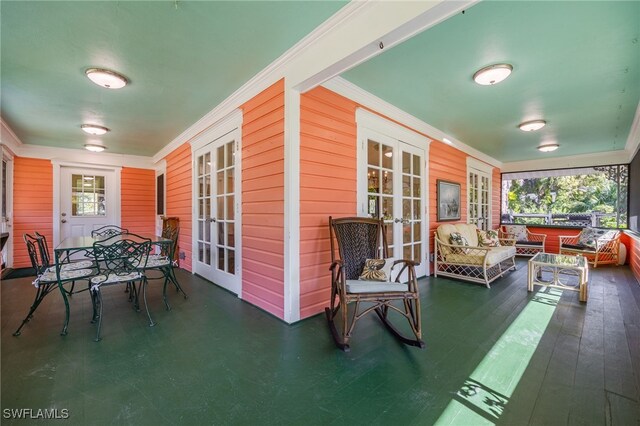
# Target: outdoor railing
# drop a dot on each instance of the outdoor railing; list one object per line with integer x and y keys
{"x": 593, "y": 219}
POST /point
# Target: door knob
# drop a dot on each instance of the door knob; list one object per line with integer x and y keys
{"x": 64, "y": 221}
{"x": 211, "y": 219}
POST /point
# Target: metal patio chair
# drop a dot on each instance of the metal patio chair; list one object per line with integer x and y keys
{"x": 119, "y": 261}
{"x": 163, "y": 262}
{"x": 46, "y": 279}
{"x": 108, "y": 231}
{"x": 358, "y": 240}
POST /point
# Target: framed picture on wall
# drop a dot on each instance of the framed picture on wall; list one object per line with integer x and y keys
{"x": 448, "y": 197}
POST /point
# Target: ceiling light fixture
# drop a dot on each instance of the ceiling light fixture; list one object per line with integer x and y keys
{"x": 94, "y": 148}
{"x": 492, "y": 74}
{"x": 532, "y": 125}
{"x": 94, "y": 129}
{"x": 445, "y": 140}
{"x": 548, "y": 147}
{"x": 106, "y": 78}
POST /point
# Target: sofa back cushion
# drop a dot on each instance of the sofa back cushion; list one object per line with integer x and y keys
{"x": 589, "y": 236}
{"x": 466, "y": 230}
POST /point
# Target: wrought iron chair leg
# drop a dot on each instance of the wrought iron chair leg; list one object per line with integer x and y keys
{"x": 144, "y": 296}
{"x": 98, "y": 297}
{"x": 94, "y": 306}
{"x": 164, "y": 293}
{"x": 175, "y": 282}
{"x": 40, "y": 294}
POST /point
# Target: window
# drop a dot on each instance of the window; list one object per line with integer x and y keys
{"x": 88, "y": 195}
{"x": 160, "y": 194}
{"x": 588, "y": 196}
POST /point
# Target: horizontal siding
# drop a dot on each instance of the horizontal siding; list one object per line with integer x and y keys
{"x": 263, "y": 200}
{"x": 32, "y": 204}
{"x": 446, "y": 163}
{"x": 178, "y": 197}
{"x": 138, "y": 189}
{"x": 633, "y": 256}
{"x": 327, "y": 187}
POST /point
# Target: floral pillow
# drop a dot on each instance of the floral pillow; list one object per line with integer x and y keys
{"x": 488, "y": 238}
{"x": 589, "y": 236}
{"x": 457, "y": 239}
{"x": 377, "y": 270}
{"x": 517, "y": 232}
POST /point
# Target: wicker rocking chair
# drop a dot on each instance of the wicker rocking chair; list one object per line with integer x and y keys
{"x": 358, "y": 239}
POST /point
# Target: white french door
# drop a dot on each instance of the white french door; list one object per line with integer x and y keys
{"x": 217, "y": 213}
{"x": 89, "y": 199}
{"x": 479, "y": 198}
{"x": 396, "y": 192}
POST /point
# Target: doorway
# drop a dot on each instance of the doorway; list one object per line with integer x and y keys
{"x": 479, "y": 195}
{"x": 217, "y": 212}
{"x": 89, "y": 199}
{"x": 395, "y": 188}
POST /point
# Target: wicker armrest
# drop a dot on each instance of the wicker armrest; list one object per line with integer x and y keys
{"x": 602, "y": 242}
{"x": 507, "y": 241}
{"x": 536, "y": 237}
{"x": 568, "y": 239}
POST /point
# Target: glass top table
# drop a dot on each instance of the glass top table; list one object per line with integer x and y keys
{"x": 560, "y": 266}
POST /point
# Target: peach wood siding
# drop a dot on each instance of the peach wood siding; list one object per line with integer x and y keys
{"x": 633, "y": 256}
{"x": 178, "y": 197}
{"x": 327, "y": 187}
{"x": 263, "y": 200}
{"x": 446, "y": 163}
{"x": 32, "y": 204}
{"x": 138, "y": 200}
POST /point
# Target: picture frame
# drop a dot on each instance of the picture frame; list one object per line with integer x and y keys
{"x": 448, "y": 199}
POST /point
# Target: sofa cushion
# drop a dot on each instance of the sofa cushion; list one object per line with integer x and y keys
{"x": 495, "y": 255}
{"x": 516, "y": 232}
{"x": 457, "y": 239}
{"x": 488, "y": 238}
{"x": 360, "y": 286}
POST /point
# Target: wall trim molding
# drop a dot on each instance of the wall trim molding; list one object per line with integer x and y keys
{"x": 633, "y": 140}
{"x": 479, "y": 165}
{"x": 374, "y": 103}
{"x": 222, "y": 127}
{"x": 8, "y": 138}
{"x": 583, "y": 160}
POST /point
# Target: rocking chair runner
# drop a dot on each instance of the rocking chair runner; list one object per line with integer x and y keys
{"x": 358, "y": 239}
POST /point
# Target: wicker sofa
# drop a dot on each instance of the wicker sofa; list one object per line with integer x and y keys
{"x": 473, "y": 262}
{"x": 599, "y": 246}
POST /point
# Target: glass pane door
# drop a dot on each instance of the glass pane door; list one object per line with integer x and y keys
{"x": 412, "y": 230}
{"x": 203, "y": 179}
{"x": 395, "y": 192}
{"x": 479, "y": 199}
{"x": 225, "y": 208}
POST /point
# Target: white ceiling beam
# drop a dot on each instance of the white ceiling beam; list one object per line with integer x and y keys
{"x": 584, "y": 160}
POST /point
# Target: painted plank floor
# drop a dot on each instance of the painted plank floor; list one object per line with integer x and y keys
{"x": 499, "y": 356}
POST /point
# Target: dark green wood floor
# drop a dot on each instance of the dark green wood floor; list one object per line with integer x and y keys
{"x": 214, "y": 359}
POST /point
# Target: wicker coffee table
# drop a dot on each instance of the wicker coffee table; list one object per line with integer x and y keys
{"x": 561, "y": 267}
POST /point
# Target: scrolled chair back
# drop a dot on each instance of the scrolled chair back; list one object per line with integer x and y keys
{"x": 358, "y": 239}
{"x": 108, "y": 231}
{"x": 121, "y": 255}
{"x": 34, "y": 250}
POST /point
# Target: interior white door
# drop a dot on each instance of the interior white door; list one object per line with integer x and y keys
{"x": 396, "y": 192}
{"x": 479, "y": 199}
{"x": 88, "y": 200}
{"x": 6, "y": 213}
{"x": 217, "y": 230}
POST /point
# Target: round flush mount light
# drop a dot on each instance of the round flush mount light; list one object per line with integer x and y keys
{"x": 447, "y": 141}
{"x": 548, "y": 147}
{"x": 106, "y": 78}
{"x": 94, "y": 148}
{"x": 493, "y": 74}
{"x": 94, "y": 129}
{"x": 532, "y": 125}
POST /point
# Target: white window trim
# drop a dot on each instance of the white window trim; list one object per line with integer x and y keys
{"x": 161, "y": 169}
{"x": 7, "y": 156}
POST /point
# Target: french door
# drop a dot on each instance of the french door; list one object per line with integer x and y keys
{"x": 217, "y": 230}
{"x": 479, "y": 199}
{"x": 396, "y": 192}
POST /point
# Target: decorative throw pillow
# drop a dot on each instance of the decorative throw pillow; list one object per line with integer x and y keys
{"x": 517, "y": 232}
{"x": 457, "y": 239}
{"x": 377, "y": 269}
{"x": 488, "y": 238}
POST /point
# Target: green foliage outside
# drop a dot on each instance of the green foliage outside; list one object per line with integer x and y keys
{"x": 568, "y": 194}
